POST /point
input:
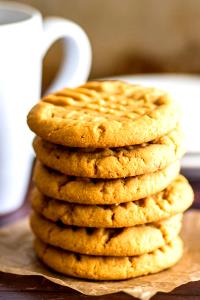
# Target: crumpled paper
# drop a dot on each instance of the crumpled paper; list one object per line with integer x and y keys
{"x": 17, "y": 257}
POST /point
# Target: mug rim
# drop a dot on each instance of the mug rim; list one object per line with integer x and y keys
{"x": 19, "y": 7}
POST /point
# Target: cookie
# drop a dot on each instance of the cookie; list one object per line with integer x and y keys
{"x": 111, "y": 162}
{"x": 126, "y": 241}
{"x": 104, "y": 114}
{"x": 109, "y": 268}
{"x": 99, "y": 191}
{"x": 176, "y": 198}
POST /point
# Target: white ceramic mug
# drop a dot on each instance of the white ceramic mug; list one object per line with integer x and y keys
{"x": 24, "y": 40}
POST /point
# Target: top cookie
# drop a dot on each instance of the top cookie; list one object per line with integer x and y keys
{"x": 104, "y": 114}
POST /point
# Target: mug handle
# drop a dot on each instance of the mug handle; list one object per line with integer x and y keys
{"x": 77, "y": 52}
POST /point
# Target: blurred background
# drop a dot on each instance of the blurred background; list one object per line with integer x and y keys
{"x": 130, "y": 36}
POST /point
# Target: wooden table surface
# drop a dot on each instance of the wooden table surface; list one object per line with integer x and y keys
{"x": 35, "y": 287}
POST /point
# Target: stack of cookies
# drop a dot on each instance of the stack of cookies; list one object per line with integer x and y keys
{"x": 109, "y": 198}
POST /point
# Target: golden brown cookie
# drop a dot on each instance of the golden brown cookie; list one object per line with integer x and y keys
{"x": 111, "y": 162}
{"x": 99, "y": 191}
{"x": 104, "y": 114}
{"x": 176, "y": 198}
{"x": 109, "y": 268}
{"x": 126, "y": 241}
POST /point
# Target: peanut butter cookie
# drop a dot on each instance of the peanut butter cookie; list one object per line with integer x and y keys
{"x": 176, "y": 198}
{"x": 126, "y": 241}
{"x": 102, "y": 191}
{"x": 104, "y": 114}
{"x": 109, "y": 268}
{"x": 112, "y": 162}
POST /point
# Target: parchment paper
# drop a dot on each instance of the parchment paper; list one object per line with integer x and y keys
{"x": 17, "y": 257}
